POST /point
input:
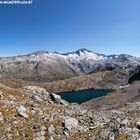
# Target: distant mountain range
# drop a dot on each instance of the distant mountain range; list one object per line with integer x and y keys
{"x": 85, "y": 61}
{"x": 46, "y": 66}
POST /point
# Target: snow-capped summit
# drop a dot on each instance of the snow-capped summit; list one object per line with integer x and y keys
{"x": 85, "y": 61}
{"x": 45, "y": 65}
{"x": 77, "y": 51}
{"x": 83, "y": 54}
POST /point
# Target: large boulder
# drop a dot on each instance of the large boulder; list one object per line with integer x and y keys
{"x": 71, "y": 123}
{"x": 22, "y": 111}
{"x": 57, "y": 99}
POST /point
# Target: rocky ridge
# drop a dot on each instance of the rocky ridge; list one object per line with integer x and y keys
{"x": 100, "y": 80}
{"x": 46, "y": 66}
{"x": 33, "y": 113}
{"x": 38, "y": 67}
{"x": 85, "y": 61}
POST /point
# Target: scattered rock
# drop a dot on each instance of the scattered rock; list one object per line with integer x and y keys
{"x": 71, "y": 123}
{"x": 138, "y": 125}
{"x": 66, "y": 134}
{"x": 1, "y": 117}
{"x": 124, "y": 123}
{"x": 51, "y": 130}
{"x": 49, "y": 119}
{"x": 57, "y": 99}
{"x": 40, "y": 138}
{"x": 1, "y": 96}
{"x": 51, "y": 138}
{"x": 22, "y": 111}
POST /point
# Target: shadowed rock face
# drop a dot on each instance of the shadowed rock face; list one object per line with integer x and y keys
{"x": 135, "y": 75}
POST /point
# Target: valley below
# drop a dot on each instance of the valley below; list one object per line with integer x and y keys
{"x": 31, "y": 112}
{"x": 79, "y": 95}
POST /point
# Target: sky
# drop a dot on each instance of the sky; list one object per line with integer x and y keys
{"x": 103, "y": 26}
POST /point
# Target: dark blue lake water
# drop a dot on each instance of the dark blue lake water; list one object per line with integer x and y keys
{"x": 83, "y": 95}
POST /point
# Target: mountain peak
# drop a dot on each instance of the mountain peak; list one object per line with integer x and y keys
{"x": 38, "y": 52}
{"x": 83, "y": 50}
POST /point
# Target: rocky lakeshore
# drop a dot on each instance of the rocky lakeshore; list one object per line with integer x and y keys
{"x": 33, "y": 113}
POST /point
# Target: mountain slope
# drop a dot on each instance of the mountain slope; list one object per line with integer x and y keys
{"x": 32, "y": 113}
{"x": 45, "y": 66}
{"x": 135, "y": 75}
{"x": 125, "y": 94}
{"x": 40, "y": 66}
{"x": 100, "y": 80}
{"x": 85, "y": 61}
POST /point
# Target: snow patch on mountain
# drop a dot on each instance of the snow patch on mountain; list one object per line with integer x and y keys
{"x": 82, "y": 61}
{"x": 85, "y": 61}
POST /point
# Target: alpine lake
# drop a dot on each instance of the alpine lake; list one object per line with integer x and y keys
{"x": 82, "y": 96}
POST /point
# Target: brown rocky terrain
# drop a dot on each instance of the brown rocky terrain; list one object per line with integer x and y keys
{"x": 126, "y": 94}
{"x": 100, "y": 80}
{"x": 37, "y": 67}
{"x": 32, "y": 113}
{"x": 29, "y": 112}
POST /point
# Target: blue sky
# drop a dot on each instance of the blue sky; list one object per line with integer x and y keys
{"x": 103, "y": 26}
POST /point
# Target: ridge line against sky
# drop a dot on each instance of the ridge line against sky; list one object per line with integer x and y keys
{"x": 103, "y": 26}
{"x": 24, "y": 54}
